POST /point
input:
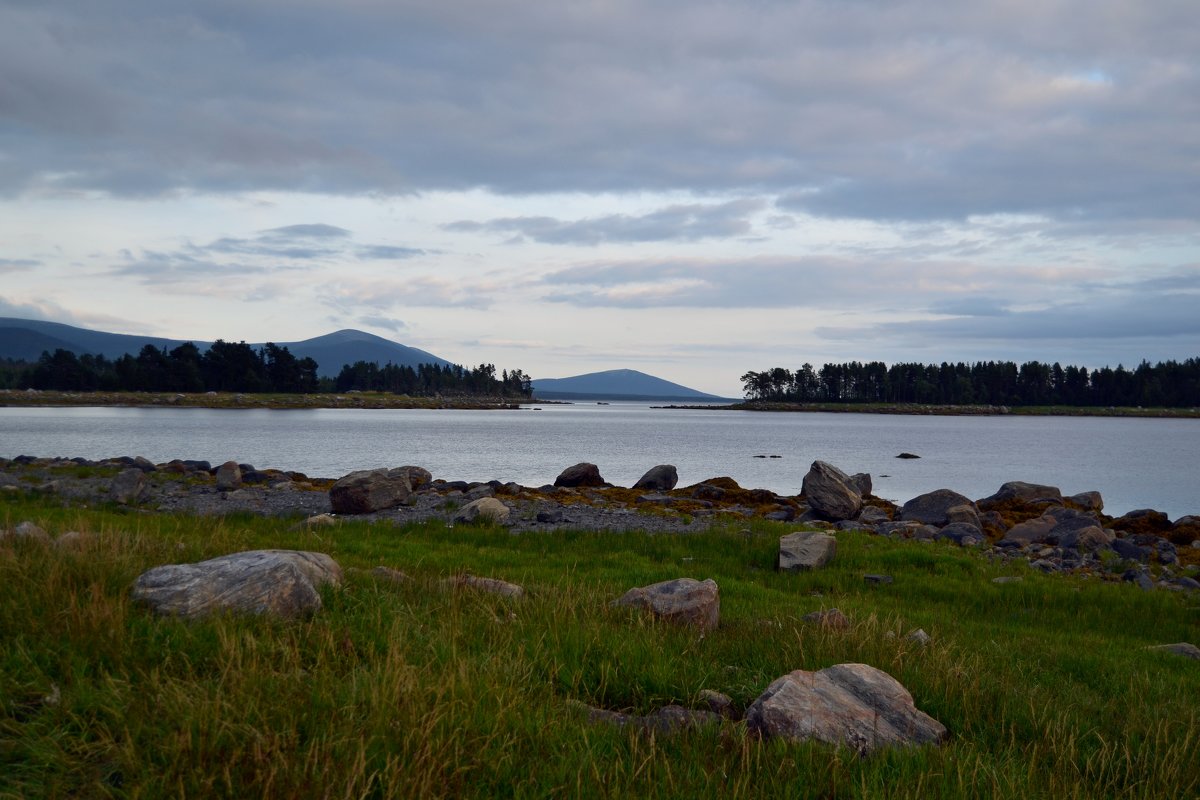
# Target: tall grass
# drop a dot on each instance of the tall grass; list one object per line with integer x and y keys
{"x": 416, "y": 690}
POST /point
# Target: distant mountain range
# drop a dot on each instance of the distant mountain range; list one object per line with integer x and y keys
{"x": 616, "y": 384}
{"x": 27, "y": 339}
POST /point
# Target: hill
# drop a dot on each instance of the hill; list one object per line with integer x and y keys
{"x": 27, "y": 339}
{"x": 615, "y": 384}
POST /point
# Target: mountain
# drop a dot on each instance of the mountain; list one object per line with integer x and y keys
{"x": 334, "y": 350}
{"x": 615, "y": 384}
{"x": 26, "y": 339}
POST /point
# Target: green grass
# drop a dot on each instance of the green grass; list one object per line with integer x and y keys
{"x": 413, "y": 690}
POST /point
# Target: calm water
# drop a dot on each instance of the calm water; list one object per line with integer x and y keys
{"x": 1134, "y": 463}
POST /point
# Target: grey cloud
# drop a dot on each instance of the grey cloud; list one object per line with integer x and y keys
{"x": 684, "y": 222}
{"x": 907, "y": 110}
{"x": 307, "y": 231}
{"x": 386, "y": 252}
{"x": 774, "y": 282}
{"x": 15, "y": 264}
{"x": 387, "y": 323}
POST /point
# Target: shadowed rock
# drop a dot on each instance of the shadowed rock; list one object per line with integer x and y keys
{"x": 849, "y": 704}
{"x": 582, "y": 474}
{"x": 370, "y": 490}
{"x": 26, "y": 531}
{"x": 1088, "y": 501}
{"x": 805, "y": 550}
{"x": 668, "y": 719}
{"x": 683, "y": 601}
{"x": 487, "y": 585}
{"x": 830, "y": 619}
{"x": 1185, "y": 649}
{"x": 659, "y": 479}
{"x": 831, "y": 493}
{"x": 933, "y": 508}
{"x": 279, "y": 582}
{"x": 1022, "y": 492}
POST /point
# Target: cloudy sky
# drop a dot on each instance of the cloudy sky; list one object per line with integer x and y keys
{"x": 692, "y": 189}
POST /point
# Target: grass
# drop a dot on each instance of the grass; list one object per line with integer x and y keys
{"x": 413, "y": 690}
{"x": 352, "y": 399}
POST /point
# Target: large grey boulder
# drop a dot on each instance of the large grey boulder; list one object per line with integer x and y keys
{"x": 582, "y": 474}
{"x": 848, "y": 704}
{"x": 229, "y": 476}
{"x": 659, "y": 479}
{"x": 277, "y": 582}
{"x": 683, "y": 601}
{"x": 831, "y": 493}
{"x": 934, "y": 508}
{"x": 805, "y": 550}
{"x": 861, "y": 481}
{"x": 128, "y": 487}
{"x": 370, "y": 490}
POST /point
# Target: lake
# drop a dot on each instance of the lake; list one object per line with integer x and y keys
{"x": 1134, "y": 463}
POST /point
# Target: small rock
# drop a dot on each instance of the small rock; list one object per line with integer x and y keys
{"x": 919, "y": 637}
{"x": 682, "y": 601}
{"x": 830, "y": 619}
{"x": 388, "y": 574}
{"x": 70, "y": 540}
{"x": 870, "y": 578}
{"x": 27, "y": 531}
{"x": 1007, "y": 579}
{"x": 319, "y": 521}
{"x": 717, "y": 703}
{"x": 1185, "y": 649}
{"x": 550, "y": 516}
{"x": 487, "y": 585}
{"x": 908, "y": 455}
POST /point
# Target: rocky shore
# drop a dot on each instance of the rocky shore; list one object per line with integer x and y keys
{"x": 1020, "y": 522}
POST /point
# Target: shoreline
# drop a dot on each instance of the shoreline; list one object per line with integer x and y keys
{"x": 35, "y": 398}
{"x": 918, "y": 409}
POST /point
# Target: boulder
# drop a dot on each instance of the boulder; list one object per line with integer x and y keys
{"x": 276, "y": 582}
{"x": 582, "y": 474}
{"x": 26, "y": 531}
{"x": 417, "y": 477}
{"x": 682, "y": 601}
{"x": 861, "y": 481}
{"x": 1032, "y": 531}
{"x": 873, "y": 515}
{"x": 1090, "y": 538}
{"x": 805, "y": 550}
{"x": 229, "y": 476}
{"x": 963, "y": 534}
{"x": 964, "y": 513}
{"x": 908, "y": 455}
{"x": 1088, "y": 501}
{"x": 1143, "y": 520}
{"x": 830, "y": 493}
{"x": 659, "y": 479}
{"x": 488, "y": 509}
{"x": 932, "y": 508}
{"x": 1021, "y": 492}
{"x": 128, "y": 487}
{"x": 370, "y": 490}
{"x": 854, "y": 705}
{"x": 1128, "y": 549}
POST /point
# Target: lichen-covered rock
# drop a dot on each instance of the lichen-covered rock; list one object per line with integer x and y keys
{"x": 1021, "y": 492}
{"x": 854, "y": 705}
{"x": 659, "y": 479}
{"x": 487, "y": 509}
{"x": 682, "y": 601}
{"x": 1088, "y": 501}
{"x": 805, "y": 550}
{"x": 370, "y": 490}
{"x": 582, "y": 474}
{"x": 830, "y": 492}
{"x": 278, "y": 582}
{"x": 933, "y": 508}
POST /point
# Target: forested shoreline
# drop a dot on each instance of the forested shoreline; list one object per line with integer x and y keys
{"x": 238, "y": 367}
{"x": 1168, "y": 384}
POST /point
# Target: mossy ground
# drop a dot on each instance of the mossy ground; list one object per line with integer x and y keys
{"x": 413, "y": 690}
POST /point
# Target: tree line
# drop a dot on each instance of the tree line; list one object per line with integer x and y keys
{"x": 238, "y": 367}
{"x": 1170, "y": 384}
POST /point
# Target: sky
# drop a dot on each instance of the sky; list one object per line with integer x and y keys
{"x": 692, "y": 188}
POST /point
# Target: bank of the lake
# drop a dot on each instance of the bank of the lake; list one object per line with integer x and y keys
{"x": 929, "y": 409}
{"x": 33, "y": 398}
